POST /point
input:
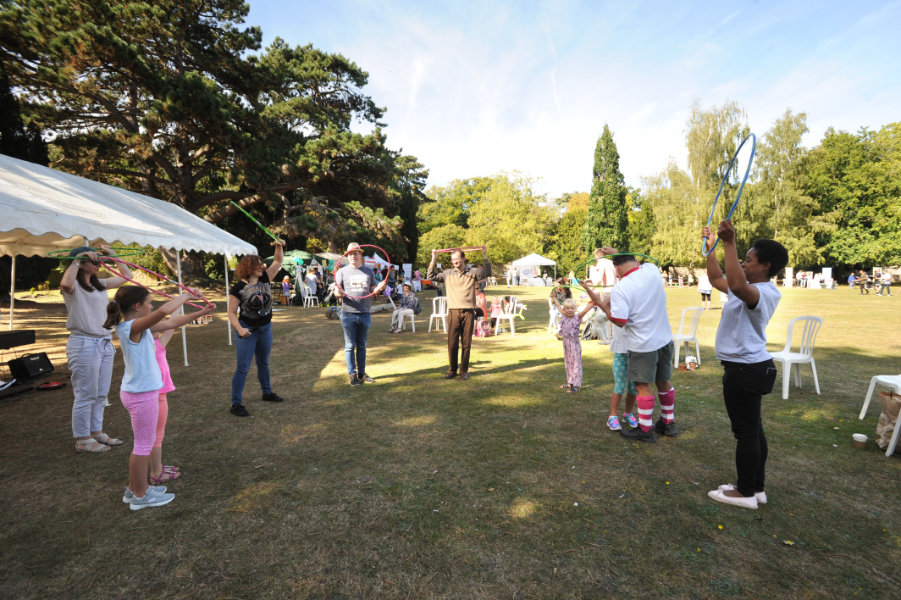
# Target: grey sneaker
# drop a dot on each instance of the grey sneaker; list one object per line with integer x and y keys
{"x": 366, "y": 378}
{"x": 129, "y": 495}
{"x": 150, "y": 499}
{"x": 355, "y": 381}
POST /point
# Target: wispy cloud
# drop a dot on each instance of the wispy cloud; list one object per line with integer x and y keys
{"x": 473, "y": 88}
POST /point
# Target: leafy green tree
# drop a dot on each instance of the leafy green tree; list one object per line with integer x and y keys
{"x": 510, "y": 219}
{"x": 450, "y": 205}
{"x": 564, "y": 240}
{"x": 408, "y": 188}
{"x": 854, "y": 180}
{"x": 676, "y": 214}
{"x": 641, "y": 222}
{"x": 437, "y": 238}
{"x": 712, "y": 137}
{"x": 576, "y": 201}
{"x": 169, "y": 99}
{"x": 778, "y": 207}
{"x": 607, "y": 221}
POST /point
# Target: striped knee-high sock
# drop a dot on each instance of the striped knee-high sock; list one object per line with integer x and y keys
{"x": 645, "y": 412}
{"x": 668, "y": 405}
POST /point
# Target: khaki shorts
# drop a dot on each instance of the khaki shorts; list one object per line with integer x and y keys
{"x": 650, "y": 367}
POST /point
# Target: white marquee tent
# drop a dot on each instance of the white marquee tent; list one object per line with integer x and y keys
{"x": 535, "y": 260}
{"x": 42, "y": 209}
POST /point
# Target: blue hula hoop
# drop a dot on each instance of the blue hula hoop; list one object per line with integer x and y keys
{"x": 753, "y": 139}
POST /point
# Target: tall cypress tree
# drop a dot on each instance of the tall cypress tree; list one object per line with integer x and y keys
{"x": 607, "y": 222}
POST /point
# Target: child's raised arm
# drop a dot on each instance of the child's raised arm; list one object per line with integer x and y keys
{"x": 165, "y": 337}
{"x": 591, "y": 293}
{"x": 169, "y": 325}
{"x": 143, "y": 323}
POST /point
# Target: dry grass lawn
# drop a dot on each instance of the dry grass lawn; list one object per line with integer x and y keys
{"x": 417, "y": 487}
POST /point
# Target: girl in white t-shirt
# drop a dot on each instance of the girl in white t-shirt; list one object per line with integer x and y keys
{"x": 749, "y": 372}
{"x": 131, "y": 312}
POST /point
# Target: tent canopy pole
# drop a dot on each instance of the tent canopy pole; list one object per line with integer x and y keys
{"x": 184, "y": 329}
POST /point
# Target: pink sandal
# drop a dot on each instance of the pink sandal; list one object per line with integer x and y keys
{"x": 164, "y": 477}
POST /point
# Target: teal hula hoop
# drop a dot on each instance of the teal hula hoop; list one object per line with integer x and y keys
{"x": 753, "y": 139}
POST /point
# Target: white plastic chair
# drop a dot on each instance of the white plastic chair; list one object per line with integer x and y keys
{"x": 890, "y": 381}
{"x": 410, "y": 316}
{"x": 553, "y": 322}
{"x": 508, "y": 313}
{"x": 309, "y": 298}
{"x": 439, "y": 313}
{"x": 689, "y": 334}
{"x": 793, "y": 360}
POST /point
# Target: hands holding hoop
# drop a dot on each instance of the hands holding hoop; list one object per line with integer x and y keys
{"x": 725, "y": 232}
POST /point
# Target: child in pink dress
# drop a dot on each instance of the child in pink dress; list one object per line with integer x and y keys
{"x": 495, "y": 310}
{"x": 570, "y": 329}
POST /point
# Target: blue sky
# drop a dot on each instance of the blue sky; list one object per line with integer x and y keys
{"x": 473, "y": 88}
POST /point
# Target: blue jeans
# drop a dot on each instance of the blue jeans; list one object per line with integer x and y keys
{"x": 258, "y": 344}
{"x": 356, "y": 330}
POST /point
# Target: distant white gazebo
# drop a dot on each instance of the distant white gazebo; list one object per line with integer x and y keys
{"x": 532, "y": 261}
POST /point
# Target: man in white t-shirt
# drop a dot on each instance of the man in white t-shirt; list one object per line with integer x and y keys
{"x": 638, "y": 305}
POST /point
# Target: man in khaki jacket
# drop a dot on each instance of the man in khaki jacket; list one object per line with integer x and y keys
{"x": 461, "y": 283}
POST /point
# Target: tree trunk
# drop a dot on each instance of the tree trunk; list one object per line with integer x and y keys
{"x": 192, "y": 269}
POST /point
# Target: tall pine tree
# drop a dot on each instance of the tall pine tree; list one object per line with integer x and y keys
{"x": 607, "y": 222}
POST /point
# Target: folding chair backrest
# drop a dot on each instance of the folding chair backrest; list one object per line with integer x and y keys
{"x": 809, "y": 328}
{"x": 696, "y": 312}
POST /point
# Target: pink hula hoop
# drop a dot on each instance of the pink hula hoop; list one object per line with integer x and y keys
{"x": 155, "y": 274}
{"x": 338, "y": 262}
{"x": 473, "y": 249}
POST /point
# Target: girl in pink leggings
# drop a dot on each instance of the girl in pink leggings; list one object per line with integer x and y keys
{"x": 131, "y": 311}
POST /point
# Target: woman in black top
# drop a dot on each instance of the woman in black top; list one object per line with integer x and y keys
{"x": 250, "y": 313}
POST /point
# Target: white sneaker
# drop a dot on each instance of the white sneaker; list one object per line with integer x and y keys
{"x": 761, "y": 496}
{"x": 151, "y": 498}
{"x": 129, "y": 495}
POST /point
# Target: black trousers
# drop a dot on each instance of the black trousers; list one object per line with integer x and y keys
{"x": 744, "y": 386}
{"x": 459, "y": 333}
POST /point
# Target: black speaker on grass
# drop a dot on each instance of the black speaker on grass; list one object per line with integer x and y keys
{"x": 29, "y": 366}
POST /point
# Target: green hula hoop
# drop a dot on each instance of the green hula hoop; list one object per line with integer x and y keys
{"x": 591, "y": 260}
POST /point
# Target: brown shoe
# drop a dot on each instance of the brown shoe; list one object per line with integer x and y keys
{"x": 464, "y": 375}
{"x": 450, "y": 375}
